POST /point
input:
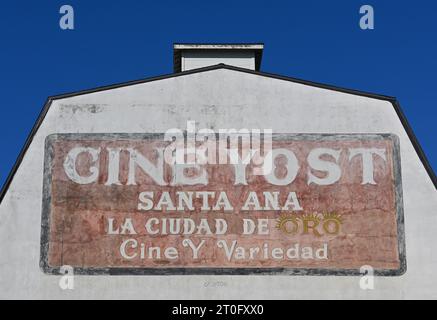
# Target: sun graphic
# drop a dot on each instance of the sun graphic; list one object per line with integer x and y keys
{"x": 288, "y": 224}
{"x": 332, "y": 223}
{"x": 332, "y": 216}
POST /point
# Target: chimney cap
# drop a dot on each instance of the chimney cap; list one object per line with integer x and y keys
{"x": 257, "y": 48}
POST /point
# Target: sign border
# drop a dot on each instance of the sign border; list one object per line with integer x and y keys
{"x": 118, "y": 271}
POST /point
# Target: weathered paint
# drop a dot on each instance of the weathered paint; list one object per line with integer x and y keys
{"x": 217, "y": 98}
{"x": 369, "y": 217}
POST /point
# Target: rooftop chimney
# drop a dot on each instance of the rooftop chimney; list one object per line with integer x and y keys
{"x": 193, "y": 56}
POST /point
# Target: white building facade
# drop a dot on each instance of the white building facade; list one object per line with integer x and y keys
{"x": 218, "y": 87}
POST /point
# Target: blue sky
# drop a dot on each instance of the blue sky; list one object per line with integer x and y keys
{"x": 117, "y": 41}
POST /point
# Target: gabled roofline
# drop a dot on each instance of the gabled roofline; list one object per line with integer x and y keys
{"x": 224, "y": 66}
{"x": 49, "y": 101}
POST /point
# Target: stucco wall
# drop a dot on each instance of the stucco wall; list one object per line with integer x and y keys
{"x": 215, "y": 99}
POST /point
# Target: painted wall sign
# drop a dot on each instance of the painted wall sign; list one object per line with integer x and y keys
{"x": 330, "y": 205}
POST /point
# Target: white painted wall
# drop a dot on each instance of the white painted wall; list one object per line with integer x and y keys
{"x": 220, "y": 99}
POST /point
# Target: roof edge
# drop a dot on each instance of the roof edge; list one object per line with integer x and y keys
{"x": 228, "y": 67}
{"x": 218, "y": 46}
{"x": 415, "y": 142}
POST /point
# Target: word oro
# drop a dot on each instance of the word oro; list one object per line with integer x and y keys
{"x": 318, "y": 225}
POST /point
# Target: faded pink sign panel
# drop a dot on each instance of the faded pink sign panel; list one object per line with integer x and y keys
{"x": 330, "y": 205}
